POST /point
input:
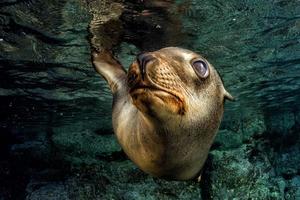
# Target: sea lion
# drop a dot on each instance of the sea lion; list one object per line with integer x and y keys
{"x": 166, "y": 109}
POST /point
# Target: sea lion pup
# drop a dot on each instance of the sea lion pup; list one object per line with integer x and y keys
{"x": 166, "y": 109}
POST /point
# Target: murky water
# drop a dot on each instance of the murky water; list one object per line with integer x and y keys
{"x": 49, "y": 89}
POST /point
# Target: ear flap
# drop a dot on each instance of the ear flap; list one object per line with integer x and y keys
{"x": 228, "y": 96}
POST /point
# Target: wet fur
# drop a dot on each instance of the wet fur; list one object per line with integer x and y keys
{"x": 167, "y": 134}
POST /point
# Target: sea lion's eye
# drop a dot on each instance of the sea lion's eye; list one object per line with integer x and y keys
{"x": 201, "y": 68}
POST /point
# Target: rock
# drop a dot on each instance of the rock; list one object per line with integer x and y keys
{"x": 233, "y": 175}
{"x": 79, "y": 143}
{"x": 261, "y": 167}
{"x": 227, "y": 139}
{"x": 109, "y": 180}
{"x": 122, "y": 180}
{"x": 293, "y": 192}
{"x": 239, "y": 130}
{"x": 50, "y": 191}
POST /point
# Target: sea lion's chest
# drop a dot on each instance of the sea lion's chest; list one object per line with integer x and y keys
{"x": 157, "y": 151}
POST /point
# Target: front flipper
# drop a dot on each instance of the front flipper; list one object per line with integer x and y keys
{"x": 110, "y": 69}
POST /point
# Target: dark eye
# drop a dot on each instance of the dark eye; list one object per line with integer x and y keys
{"x": 201, "y": 68}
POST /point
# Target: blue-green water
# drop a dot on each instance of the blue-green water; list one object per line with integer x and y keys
{"x": 55, "y": 113}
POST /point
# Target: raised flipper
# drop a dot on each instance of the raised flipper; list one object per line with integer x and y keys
{"x": 110, "y": 69}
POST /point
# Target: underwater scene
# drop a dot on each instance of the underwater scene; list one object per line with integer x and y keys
{"x": 57, "y": 140}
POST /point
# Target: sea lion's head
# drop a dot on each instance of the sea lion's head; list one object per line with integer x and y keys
{"x": 175, "y": 83}
{"x": 167, "y": 114}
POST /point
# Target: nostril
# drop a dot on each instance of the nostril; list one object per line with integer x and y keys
{"x": 143, "y": 59}
{"x": 132, "y": 78}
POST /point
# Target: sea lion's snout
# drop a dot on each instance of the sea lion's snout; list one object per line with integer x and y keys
{"x": 154, "y": 85}
{"x": 137, "y": 73}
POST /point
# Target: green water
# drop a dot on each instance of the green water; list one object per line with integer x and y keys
{"x": 55, "y": 113}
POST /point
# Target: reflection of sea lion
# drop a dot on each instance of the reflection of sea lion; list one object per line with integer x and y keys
{"x": 166, "y": 109}
{"x": 159, "y": 23}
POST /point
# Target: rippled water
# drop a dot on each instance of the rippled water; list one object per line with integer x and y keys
{"x": 45, "y": 54}
{"x": 255, "y": 45}
{"x": 47, "y": 79}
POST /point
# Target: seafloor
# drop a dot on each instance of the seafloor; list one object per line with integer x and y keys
{"x": 56, "y": 138}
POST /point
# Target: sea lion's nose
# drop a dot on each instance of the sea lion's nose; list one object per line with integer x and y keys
{"x": 142, "y": 60}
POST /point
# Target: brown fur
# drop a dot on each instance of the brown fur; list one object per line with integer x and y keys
{"x": 167, "y": 120}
